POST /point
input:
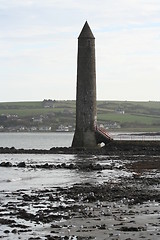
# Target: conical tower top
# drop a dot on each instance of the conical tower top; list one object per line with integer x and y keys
{"x": 86, "y": 32}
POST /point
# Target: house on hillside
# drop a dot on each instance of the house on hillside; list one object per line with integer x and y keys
{"x": 37, "y": 119}
{"x": 62, "y": 128}
{"x": 45, "y": 128}
{"x": 120, "y": 111}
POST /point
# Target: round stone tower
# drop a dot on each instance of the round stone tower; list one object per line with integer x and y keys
{"x": 86, "y": 114}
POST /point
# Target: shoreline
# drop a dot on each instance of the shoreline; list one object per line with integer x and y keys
{"x": 112, "y": 147}
{"x": 127, "y": 208}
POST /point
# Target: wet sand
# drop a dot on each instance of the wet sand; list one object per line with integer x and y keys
{"x": 128, "y": 208}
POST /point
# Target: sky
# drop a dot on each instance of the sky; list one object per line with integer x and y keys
{"x": 38, "y": 48}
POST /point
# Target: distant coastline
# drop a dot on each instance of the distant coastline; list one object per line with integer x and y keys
{"x": 52, "y": 115}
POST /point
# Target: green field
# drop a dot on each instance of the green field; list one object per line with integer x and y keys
{"x": 137, "y": 116}
{"x": 129, "y": 118}
{"x": 24, "y": 109}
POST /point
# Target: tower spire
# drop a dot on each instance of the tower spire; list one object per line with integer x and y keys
{"x": 86, "y": 32}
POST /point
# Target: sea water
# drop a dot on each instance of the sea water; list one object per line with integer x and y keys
{"x": 13, "y": 178}
{"x": 43, "y": 140}
{"x": 40, "y": 140}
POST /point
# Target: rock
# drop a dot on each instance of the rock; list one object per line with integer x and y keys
{"x": 51, "y": 198}
{"x": 34, "y": 238}
{"x": 14, "y": 231}
{"x": 132, "y": 229}
{"x": 21, "y": 164}
{"x": 6, "y": 164}
{"x": 63, "y": 165}
{"x": 102, "y": 227}
{"x": 26, "y": 197}
{"x": 71, "y": 166}
{"x": 97, "y": 167}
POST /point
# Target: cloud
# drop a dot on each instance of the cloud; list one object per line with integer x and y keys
{"x": 38, "y": 46}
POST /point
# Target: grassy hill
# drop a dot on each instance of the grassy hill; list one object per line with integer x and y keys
{"x": 115, "y": 115}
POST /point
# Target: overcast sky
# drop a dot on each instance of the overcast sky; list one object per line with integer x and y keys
{"x": 38, "y": 48}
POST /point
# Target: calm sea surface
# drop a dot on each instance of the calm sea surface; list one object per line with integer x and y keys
{"x": 36, "y": 140}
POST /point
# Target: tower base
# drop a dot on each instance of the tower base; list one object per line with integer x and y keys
{"x": 84, "y": 139}
{"x": 90, "y": 139}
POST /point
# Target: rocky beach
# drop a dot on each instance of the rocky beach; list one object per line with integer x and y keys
{"x": 124, "y": 205}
